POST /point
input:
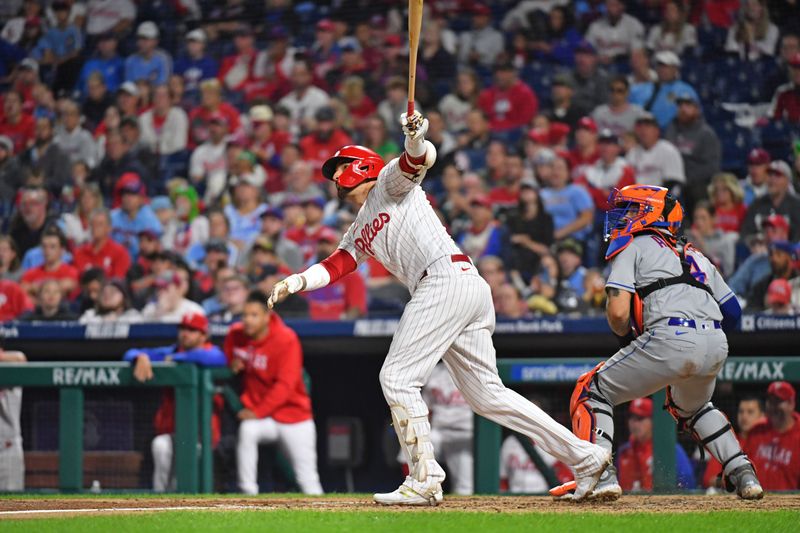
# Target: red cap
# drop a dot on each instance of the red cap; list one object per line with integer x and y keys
{"x": 195, "y": 321}
{"x": 327, "y": 234}
{"x": 216, "y": 116}
{"x": 758, "y": 156}
{"x": 776, "y": 221}
{"x": 794, "y": 61}
{"x": 558, "y": 132}
{"x": 481, "y": 200}
{"x": 539, "y": 136}
{"x": 325, "y": 25}
{"x": 642, "y": 407}
{"x": 782, "y": 390}
{"x": 587, "y": 123}
{"x": 481, "y": 9}
{"x": 779, "y": 292}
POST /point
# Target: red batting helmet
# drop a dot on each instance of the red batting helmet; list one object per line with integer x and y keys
{"x": 365, "y": 164}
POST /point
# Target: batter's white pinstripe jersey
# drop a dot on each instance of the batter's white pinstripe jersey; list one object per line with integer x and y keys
{"x": 398, "y": 227}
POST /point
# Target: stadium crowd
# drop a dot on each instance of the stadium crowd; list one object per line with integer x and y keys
{"x": 164, "y": 158}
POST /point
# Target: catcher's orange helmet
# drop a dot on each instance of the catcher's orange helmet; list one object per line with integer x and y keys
{"x": 638, "y": 208}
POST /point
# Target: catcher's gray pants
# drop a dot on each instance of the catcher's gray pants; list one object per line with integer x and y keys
{"x": 451, "y": 317}
{"x": 687, "y": 360}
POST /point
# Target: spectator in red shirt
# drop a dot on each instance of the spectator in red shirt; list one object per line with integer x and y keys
{"x": 308, "y": 235}
{"x": 727, "y": 197}
{"x": 359, "y": 104}
{"x": 326, "y": 138}
{"x": 586, "y": 152}
{"x": 343, "y": 300}
{"x": 243, "y": 70}
{"x": 609, "y": 171}
{"x": 774, "y": 444}
{"x": 749, "y": 413}
{"x": 276, "y": 405}
{"x": 15, "y": 124}
{"x": 267, "y": 143}
{"x": 102, "y": 251}
{"x": 509, "y": 103}
{"x": 53, "y": 245}
{"x": 506, "y": 195}
{"x": 786, "y": 102}
{"x": 211, "y": 105}
{"x": 14, "y": 300}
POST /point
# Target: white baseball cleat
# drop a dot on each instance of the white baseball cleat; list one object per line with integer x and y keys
{"x": 411, "y": 492}
{"x": 587, "y": 479}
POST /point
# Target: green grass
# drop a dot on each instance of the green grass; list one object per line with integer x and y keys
{"x": 428, "y": 521}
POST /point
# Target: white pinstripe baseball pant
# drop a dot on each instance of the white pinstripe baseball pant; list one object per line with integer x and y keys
{"x": 451, "y": 317}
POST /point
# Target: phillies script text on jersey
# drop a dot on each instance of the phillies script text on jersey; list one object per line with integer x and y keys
{"x": 370, "y": 231}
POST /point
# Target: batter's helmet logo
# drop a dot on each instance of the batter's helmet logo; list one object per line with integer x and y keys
{"x": 370, "y": 231}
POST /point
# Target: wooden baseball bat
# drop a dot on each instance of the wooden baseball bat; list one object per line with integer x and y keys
{"x": 414, "y": 28}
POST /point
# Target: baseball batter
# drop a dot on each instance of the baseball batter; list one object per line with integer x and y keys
{"x": 450, "y": 315}
{"x": 678, "y": 304}
{"x": 12, "y": 464}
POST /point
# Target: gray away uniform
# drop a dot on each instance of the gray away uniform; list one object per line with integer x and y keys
{"x": 683, "y": 346}
{"x": 12, "y": 464}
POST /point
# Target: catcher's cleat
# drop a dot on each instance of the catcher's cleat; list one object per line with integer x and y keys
{"x": 744, "y": 481}
{"x": 411, "y": 492}
{"x": 608, "y": 488}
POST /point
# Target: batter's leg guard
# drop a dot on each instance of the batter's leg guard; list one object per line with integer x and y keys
{"x": 414, "y": 436}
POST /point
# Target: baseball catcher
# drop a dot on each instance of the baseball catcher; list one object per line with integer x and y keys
{"x": 680, "y": 307}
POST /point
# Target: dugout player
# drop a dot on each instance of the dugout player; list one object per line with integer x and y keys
{"x": 450, "y": 315}
{"x": 267, "y": 353}
{"x": 192, "y": 347}
{"x": 678, "y": 304}
{"x": 12, "y": 464}
{"x": 774, "y": 444}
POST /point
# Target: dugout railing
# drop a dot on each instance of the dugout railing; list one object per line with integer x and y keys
{"x": 736, "y": 370}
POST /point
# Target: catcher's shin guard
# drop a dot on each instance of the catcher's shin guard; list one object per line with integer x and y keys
{"x": 585, "y": 405}
{"x": 712, "y": 430}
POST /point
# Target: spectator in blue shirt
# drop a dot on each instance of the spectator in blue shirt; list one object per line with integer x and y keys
{"x": 149, "y": 63}
{"x": 107, "y": 62}
{"x": 570, "y": 205}
{"x": 195, "y": 66}
{"x": 659, "y": 97}
{"x": 60, "y": 48}
{"x": 133, "y": 216}
{"x": 485, "y": 236}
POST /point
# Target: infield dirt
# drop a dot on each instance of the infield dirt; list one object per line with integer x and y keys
{"x": 43, "y": 507}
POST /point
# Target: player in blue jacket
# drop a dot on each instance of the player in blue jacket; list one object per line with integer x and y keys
{"x": 192, "y": 347}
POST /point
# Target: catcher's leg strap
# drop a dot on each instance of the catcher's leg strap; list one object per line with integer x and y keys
{"x": 585, "y": 404}
{"x": 712, "y": 430}
{"x": 414, "y": 435}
